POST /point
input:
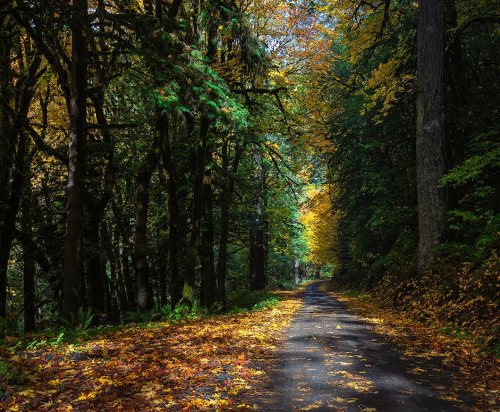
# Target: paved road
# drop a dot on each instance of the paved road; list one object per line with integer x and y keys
{"x": 334, "y": 361}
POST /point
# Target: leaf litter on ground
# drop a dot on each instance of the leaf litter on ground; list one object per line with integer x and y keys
{"x": 205, "y": 364}
{"x": 477, "y": 373}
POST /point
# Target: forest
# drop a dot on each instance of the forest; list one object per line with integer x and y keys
{"x": 191, "y": 164}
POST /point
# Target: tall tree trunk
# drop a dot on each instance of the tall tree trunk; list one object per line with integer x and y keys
{"x": 28, "y": 263}
{"x": 258, "y": 241}
{"x": 163, "y": 269}
{"x": 6, "y": 156}
{"x": 161, "y": 280}
{"x": 143, "y": 293}
{"x": 226, "y": 197}
{"x": 430, "y": 129}
{"x": 123, "y": 225}
{"x": 95, "y": 269}
{"x": 192, "y": 252}
{"x": 208, "y": 281}
{"x": 76, "y": 169}
{"x": 100, "y": 297}
{"x": 117, "y": 272}
{"x": 173, "y": 223}
{"x": 142, "y": 288}
{"x": 297, "y": 271}
{"x": 14, "y": 159}
{"x": 112, "y": 287}
{"x": 7, "y": 233}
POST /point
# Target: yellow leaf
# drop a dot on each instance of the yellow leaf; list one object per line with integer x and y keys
{"x": 85, "y": 396}
{"x": 28, "y": 392}
{"x": 105, "y": 380}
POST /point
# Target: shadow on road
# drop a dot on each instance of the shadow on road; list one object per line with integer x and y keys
{"x": 333, "y": 360}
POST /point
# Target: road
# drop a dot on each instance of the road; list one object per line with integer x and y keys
{"x": 332, "y": 360}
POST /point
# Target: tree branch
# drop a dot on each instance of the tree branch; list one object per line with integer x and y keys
{"x": 44, "y": 147}
{"x": 493, "y": 18}
{"x": 258, "y": 90}
{"x": 111, "y": 126}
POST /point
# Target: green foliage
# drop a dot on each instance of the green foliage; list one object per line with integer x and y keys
{"x": 456, "y": 331}
{"x": 5, "y": 372}
{"x": 79, "y": 321}
{"x": 8, "y": 376}
{"x": 266, "y": 303}
{"x": 40, "y": 343}
{"x": 166, "y": 313}
{"x": 181, "y": 312}
{"x": 355, "y": 294}
{"x": 140, "y": 317}
{"x": 485, "y": 158}
{"x": 246, "y": 300}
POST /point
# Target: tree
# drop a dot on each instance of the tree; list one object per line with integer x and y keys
{"x": 430, "y": 151}
{"x": 258, "y": 226}
{"x": 320, "y": 225}
{"x": 196, "y": 129}
{"x": 17, "y": 88}
{"x": 77, "y": 109}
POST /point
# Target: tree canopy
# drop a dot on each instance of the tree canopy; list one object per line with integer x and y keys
{"x": 170, "y": 155}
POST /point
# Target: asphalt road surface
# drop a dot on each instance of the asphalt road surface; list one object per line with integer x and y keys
{"x": 332, "y": 360}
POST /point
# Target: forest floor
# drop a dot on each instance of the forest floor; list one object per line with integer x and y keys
{"x": 189, "y": 365}
{"x": 312, "y": 351}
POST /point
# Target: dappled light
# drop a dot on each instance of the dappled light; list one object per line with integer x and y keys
{"x": 274, "y": 205}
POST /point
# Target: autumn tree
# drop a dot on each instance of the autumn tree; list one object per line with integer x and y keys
{"x": 157, "y": 156}
{"x": 320, "y": 221}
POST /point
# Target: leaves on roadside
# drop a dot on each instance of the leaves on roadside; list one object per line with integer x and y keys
{"x": 209, "y": 364}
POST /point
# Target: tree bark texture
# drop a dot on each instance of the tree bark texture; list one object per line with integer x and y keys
{"x": 6, "y": 159}
{"x": 28, "y": 263}
{"x": 208, "y": 281}
{"x": 76, "y": 168}
{"x": 175, "y": 284}
{"x": 14, "y": 147}
{"x": 258, "y": 237}
{"x": 226, "y": 198}
{"x": 430, "y": 129}
{"x": 192, "y": 252}
{"x": 143, "y": 292}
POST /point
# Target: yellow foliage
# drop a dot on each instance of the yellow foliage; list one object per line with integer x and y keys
{"x": 388, "y": 85}
{"x": 300, "y": 46}
{"x": 320, "y": 222}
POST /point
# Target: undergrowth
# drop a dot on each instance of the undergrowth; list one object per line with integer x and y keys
{"x": 460, "y": 300}
{"x": 78, "y": 329}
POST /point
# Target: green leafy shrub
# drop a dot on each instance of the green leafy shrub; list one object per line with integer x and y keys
{"x": 80, "y": 320}
{"x": 244, "y": 300}
{"x": 9, "y": 376}
{"x": 266, "y": 303}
